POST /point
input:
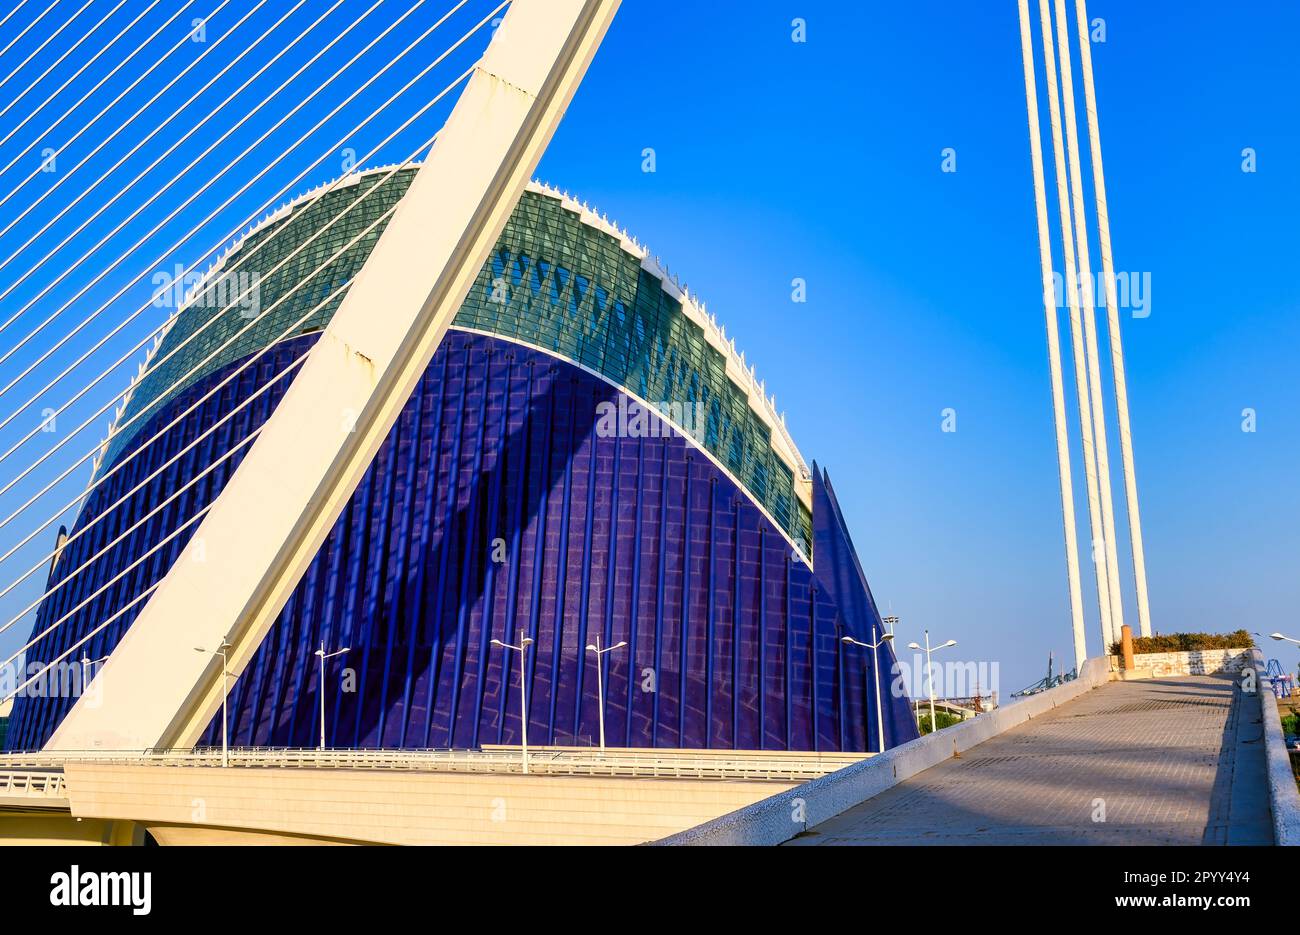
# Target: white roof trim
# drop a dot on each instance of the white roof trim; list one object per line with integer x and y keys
{"x": 742, "y": 374}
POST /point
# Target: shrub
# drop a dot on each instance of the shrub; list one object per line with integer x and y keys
{"x": 942, "y": 718}
{"x": 1187, "y": 642}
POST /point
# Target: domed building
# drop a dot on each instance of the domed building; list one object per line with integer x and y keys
{"x": 586, "y": 460}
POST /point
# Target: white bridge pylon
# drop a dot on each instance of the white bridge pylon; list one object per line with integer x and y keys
{"x": 246, "y": 557}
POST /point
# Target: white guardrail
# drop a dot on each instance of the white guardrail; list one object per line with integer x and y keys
{"x": 692, "y": 764}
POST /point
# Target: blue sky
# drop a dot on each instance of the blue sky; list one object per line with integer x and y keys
{"x": 821, "y": 160}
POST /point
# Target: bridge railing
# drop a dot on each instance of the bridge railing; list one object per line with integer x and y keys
{"x": 32, "y": 784}
{"x": 677, "y": 764}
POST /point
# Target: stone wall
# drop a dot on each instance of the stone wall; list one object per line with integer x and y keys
{"x": 1193, "y": 662}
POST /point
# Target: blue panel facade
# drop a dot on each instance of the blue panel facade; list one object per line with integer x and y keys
{"x": 496, "y": 509}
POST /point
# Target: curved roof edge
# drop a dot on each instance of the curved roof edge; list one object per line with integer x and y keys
{"x": 742, "y": 373}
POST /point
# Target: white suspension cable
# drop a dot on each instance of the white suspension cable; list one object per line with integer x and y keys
{"x": 113, "y": 103}
{"x": 196, "y": 194}
{"x": 192, "y": 371}
{"x": 68, "y": 51}
{"x": 67, "y": 271}
{"x": 1053, "y": 346}
{"x": 92, "y": 452}
{"x": 207, "y": 359}
{"x": 28, "y": 28}
{"x": 78, "y": 73}
{"x": 148, "y": 591}
{"x": 90, "y": 561}
{"x": 257, "y": 177}
{"x": 1089, "y": 312}
{"x": 207, "y": 433}
{"x": 194, "y": 443}
{"x": 48, "y": 39}
{"x": 75, "y": 646}
{"x": 1112, "y": 320}
{"x": 252, "y": 250}
{"x": 10, "y": 14}
{"x": 122, "y": 125}
{"x": 1076, "y": 331}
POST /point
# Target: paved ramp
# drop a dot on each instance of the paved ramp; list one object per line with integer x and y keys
{"x": 1169, "y": 761}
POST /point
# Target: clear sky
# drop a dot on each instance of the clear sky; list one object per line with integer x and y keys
{"x": 821, "y": 160}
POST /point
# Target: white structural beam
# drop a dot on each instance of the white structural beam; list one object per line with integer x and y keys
{"x": 1088, "y": 308}
{"x": 1112, "y": 318}
{"x": 1053, "y": 344}
{"x": 249, "y": 553}
{"x": 1096, "y": 550}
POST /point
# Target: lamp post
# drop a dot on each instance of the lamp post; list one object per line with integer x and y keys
{"x": 875, "y": 675}
{"x": 522, "y": 649}
{"x": 600, "y": 683}
{"x": 222, "y": 651}
{"x": 1288, "y": 639}
{"x": 929, "y": 668}
{"x": 323, "y": 656}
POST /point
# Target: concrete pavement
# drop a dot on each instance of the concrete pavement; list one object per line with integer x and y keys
{"x": 1168, "y": 761}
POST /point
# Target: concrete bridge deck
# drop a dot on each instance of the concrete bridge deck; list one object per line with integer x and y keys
{"x": 1167, "y": 761}
{"x": 269, "y": 796}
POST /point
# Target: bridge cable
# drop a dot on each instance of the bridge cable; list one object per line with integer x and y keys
{"x": 69, "y": 50}
{"x": 44, "y": 134}
{"x": 42, "y": 46}
{"x": 154, "y": 364}
{"x": 211, "y": 392}
{"x": 244, "y": 188}
{"x": 54, "y": 413}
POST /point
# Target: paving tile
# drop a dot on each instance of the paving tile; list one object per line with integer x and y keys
{"x": 1173, "y": 761}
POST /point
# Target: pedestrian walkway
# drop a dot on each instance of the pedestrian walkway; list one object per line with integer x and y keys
{"x": 1168, "y": 761}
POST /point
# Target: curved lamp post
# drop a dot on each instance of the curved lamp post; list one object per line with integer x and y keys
{"x": 323, "y": 656}
{"x": 223, "y": 651}
{"x": 875, "y": 671}
{"x": 600, "y": 684}
{"x": 522, "y": 649}
{"x": 929, "y": 668}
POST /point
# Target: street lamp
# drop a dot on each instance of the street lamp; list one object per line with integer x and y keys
{"x": 522, "y": 649}
{"x": 222, "y": 651}
{"x": 875, "y": 673}
{"x": 323, "y": 656}
{"x": 929, "y": 668}
{"x": 1279, "y": 636}
{"x": 600, "y": 684}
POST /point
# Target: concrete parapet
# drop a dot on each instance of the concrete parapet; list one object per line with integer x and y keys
{"x": 1283, "y": 795}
